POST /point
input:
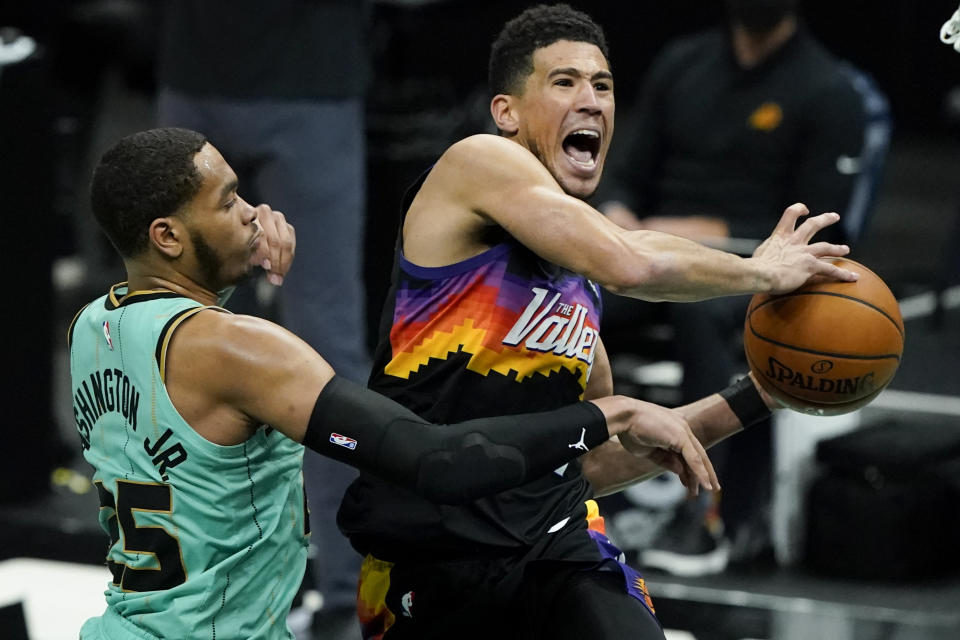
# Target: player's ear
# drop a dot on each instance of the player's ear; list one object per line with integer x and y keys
{"x": 504, "y": 112}
{"x": 166, "y": 234}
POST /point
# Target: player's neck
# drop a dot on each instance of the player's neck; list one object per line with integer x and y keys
{"x": 139, "y": 279}
{"x": 750, "y": 49}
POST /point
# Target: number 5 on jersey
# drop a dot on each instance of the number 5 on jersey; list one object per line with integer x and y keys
{"x": 142, "y": 539}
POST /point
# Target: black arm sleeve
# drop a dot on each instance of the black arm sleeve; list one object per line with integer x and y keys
{"x": 447, "y": 464}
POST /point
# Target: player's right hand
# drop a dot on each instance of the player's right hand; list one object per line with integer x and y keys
{"x": 277, "y": 244}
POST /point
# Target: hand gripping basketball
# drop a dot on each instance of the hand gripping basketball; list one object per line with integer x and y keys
{"x": 789, "y": 259}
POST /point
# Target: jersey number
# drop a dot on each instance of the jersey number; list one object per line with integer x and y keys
{"x": 148, "y": 539}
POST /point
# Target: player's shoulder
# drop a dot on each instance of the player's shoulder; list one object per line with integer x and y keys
{"x": 485, "y": 156}
{"x": 479, "y": 145}
{"x": 211, "y": 330}
{"x": 225, "y": 347}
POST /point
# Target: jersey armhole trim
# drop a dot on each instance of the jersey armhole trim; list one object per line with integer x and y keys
{"x": 163, "y": 342}
{"x": 455, "y": 269}
{"x": 73, "y": 323}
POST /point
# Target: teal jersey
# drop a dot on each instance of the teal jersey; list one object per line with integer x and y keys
{"x": 206, "y": 541}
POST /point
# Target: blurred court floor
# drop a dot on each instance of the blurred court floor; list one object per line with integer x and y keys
{"x": 56, "y": 597}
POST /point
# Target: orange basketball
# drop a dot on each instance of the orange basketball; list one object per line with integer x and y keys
{"x": 826, "y": 348}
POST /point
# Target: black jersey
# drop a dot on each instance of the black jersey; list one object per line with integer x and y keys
{"x": 501, "y": 333}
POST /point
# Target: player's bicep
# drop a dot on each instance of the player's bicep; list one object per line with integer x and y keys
{"x": 286, "y": 375}
{"x": 573, "y": 235}
{"x": 565, "y": 231}
{"x": 251, "y": 367}
{"x": 510, "y": 188}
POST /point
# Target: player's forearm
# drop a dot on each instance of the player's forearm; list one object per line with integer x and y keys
{"x": 449, "y": 463}
{"x": 711, "y": 419}
{"x": 610, "y": 468}
{"x": 663, "y": 267}
{"x": 732, "y": 409}
{"x": 644, "y": 264}
{"x": 487, "y": 455}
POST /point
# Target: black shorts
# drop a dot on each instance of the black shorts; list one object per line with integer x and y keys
{"x": 497, "y": 599}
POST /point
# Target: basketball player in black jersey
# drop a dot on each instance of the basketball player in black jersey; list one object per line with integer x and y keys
{"x": 494, "y": 310}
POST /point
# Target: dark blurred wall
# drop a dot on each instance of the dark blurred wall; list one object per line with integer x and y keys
{"x": 898, "y": 42}
{"x": 26, "y": 186}
{"x": 48, "y": 104}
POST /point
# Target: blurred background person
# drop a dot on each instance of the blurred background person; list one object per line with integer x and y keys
{"x": 281, "y": 87}
{"x": 735, "y": 123}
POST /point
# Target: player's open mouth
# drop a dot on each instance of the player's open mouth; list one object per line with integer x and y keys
{"x": 582, "y": 147}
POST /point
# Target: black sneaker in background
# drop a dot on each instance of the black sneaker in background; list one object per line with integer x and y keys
{"x": 692, "y": 544}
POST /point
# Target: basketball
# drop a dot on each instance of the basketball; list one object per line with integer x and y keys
{"x": 827, "y": 348}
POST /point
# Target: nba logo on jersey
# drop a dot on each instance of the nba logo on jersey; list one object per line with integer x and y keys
{"x": 106, "y": 334}
{"x": 343, "y": 441}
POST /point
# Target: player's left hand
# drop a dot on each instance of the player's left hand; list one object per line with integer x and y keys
{"x": 277, "y": 244}
{"x": 789, "y": 259}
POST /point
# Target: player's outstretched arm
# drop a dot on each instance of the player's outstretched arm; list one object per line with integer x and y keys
{"x": 459, "y": 462}
{"x": 227, "y": 375}
{"x": 509, "y": 187}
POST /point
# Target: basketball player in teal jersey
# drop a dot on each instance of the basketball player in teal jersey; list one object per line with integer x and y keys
{"x": 494, "y": 310}
{"x": 193, "y": 417}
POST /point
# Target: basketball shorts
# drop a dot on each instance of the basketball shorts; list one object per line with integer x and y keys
{"x": 509, "y": 598}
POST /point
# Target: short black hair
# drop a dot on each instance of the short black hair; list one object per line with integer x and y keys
{"x": 144, "y": 176}
{"x": 511, "y": 55}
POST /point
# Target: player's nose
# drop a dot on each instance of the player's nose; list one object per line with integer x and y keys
{"x": 587, "y": 98}
{"x": 248, "y": 211}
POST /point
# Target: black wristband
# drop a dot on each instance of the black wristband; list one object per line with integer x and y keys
{"x": 746, "y": 402}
